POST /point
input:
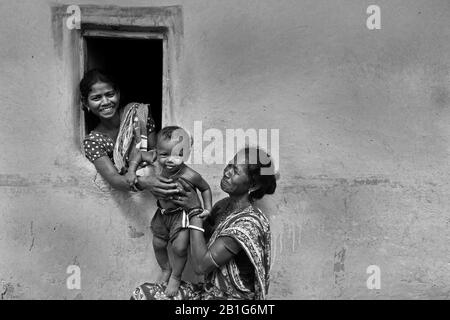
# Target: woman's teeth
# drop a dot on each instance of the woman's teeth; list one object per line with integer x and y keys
{"x": 106, "y": 108}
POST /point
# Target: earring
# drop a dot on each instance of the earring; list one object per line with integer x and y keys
{"x": 252, "y": 189}
{"x": 84, "y": 107}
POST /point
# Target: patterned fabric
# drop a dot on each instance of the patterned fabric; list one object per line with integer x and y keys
{"x": 132, "y": 127}
{"x": 251, "y": 229}
{"x": 97, "y": 144}
{"x": 155, "y": 291}
{"x": 186, "y": 291}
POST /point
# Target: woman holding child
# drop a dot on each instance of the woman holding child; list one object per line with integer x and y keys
{"x": 100, "y": 96}
{"x": 231, "y": 247}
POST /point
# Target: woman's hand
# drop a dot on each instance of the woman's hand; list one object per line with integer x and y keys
{"x": 160, "y": 187}
{"x": 131, "y": 179}
{"x": 187, "y": 197}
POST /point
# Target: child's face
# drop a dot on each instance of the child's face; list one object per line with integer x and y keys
{"x": 170, "y": 155}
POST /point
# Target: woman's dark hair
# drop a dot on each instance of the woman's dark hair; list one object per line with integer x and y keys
{"x": 92, "y": 77}
{"x": 261, "y": 172}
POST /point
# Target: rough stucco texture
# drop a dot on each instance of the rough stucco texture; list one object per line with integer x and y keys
{"x": 364, "y": 157}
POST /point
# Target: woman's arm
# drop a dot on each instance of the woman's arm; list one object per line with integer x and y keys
{"x": 96, "y": 151}
{"x": 109, "y": 172}
{"x": 205, "y": 260}
{"x": 160, "y": 187}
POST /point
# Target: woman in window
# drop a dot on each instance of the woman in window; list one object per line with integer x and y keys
{"x": 231, "y": 248}
{"x": 118, "y": 132}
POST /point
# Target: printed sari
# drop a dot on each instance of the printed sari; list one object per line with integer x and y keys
{"x": 250, "y": 228}
{"x": 133, "y": 133}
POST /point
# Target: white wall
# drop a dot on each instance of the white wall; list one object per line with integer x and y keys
{"x": 363, "y": 118}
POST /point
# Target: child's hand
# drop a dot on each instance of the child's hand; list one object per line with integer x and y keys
{"x": 204, "y": 214}
{"x": 131, "y": 179}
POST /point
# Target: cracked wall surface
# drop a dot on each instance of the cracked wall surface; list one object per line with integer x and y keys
{"x": 364, "y": 157}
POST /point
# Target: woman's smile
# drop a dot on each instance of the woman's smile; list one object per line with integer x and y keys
{"x": 107, "y": 110}
{"x": 103, "y": 100}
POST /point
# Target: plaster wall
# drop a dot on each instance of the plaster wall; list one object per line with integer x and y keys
{"x": 363, "y": 118}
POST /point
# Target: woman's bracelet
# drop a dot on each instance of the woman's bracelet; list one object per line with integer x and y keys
{"x": 194, "y": 212}
{"x": 196, "y": 228}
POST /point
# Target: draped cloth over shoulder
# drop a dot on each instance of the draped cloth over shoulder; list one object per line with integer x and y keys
{"x": 250, "y": 228}
{"x": 132, "y": 133}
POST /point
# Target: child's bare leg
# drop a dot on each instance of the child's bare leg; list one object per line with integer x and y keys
{"x": 160, "y": 247}
{"x": 179, "y": 247}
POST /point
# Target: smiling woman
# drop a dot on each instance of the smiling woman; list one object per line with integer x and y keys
{"x": 231, "y": 247}
{"x": 100, "y": 96}
{"x": 108, "y": 145}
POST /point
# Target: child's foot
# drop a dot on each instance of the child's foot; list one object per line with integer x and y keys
{"x": 172, "y": 287}
{"x": 164, "y": 276}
